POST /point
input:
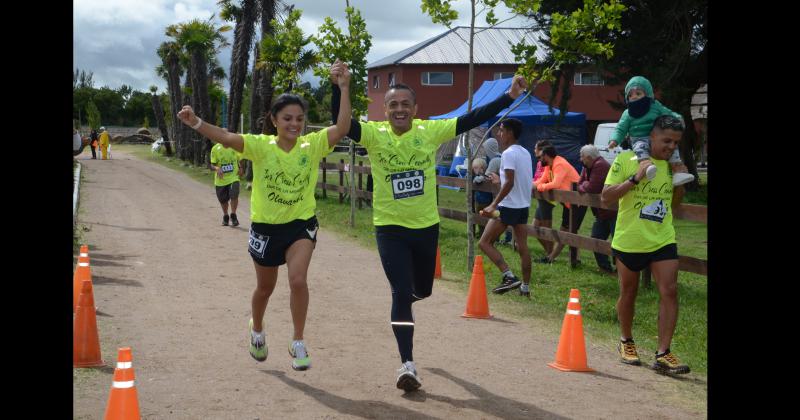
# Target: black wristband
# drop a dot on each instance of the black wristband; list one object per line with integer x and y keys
{"x": 633, "y": 180}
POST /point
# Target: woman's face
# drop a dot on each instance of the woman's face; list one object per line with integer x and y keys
{"x": 289, "y": 121}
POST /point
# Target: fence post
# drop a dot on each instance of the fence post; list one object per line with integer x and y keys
{"x": 573, "y": 251}
{"x": 324, "y": 176}
{"x": 341, "y": 180}
{"x": 360, "y": 185}
{"x": 352, "y": 182}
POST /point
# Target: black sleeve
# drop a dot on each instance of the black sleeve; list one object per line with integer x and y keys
{"x": 355, "y": 127}
{"x": 481, "y": 114}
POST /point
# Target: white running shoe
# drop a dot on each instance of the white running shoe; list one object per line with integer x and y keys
{"x": 651, "y": 172}
{"x": 407, "y": 378}
{"x": 680, "y": 178}
{"x": 300, "y": 358}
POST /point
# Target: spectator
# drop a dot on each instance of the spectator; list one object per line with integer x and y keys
{"x": 93, "y": 142}
{"x": 480, "y": 199}
{"x": 104, "y": 142}
{"x": 544, "y": 209}
{"x": 559, "y": 175}
{"x": 593, "y": 176}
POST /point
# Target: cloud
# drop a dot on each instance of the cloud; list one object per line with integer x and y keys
{"x": 117, "y": 39}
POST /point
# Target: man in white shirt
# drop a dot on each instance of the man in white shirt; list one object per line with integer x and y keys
{"x": 513, "y": 202}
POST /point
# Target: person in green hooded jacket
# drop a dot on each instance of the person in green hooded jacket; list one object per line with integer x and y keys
{"x": 637, "y": 121}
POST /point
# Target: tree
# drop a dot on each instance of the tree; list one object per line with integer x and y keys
{"x": 82, "y": 79}
{"x": 263, "y": 81}
{"x": 352, "y": 49}
{"x": 93, "y": 115}
{"x": 171, "y": 70}
{"x": 284, "y": 53}
{"x": 573, "y": 39}
{"x": 245, "y": 17}
{"x": 160, "y": 121}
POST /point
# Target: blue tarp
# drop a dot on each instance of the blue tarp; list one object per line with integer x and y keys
{"x": 567, "y": 134}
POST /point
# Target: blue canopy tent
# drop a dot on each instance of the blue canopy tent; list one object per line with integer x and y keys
{"x": 568, "y": 134}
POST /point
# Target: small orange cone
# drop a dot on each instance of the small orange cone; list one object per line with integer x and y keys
{"x": 85, "y": 341}
{"x": 437, "y": 274}
{"x": 477, "y": 303}
{"x": 83, "y": 272}
{"x": 123, "y": 402}
{"x": 571, "y": 353}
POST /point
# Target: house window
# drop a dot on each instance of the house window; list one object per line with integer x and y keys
{"x": 503, "y": 75}
{"x": 588, "y": 79}
{"x": 437, "y": 78}
{"x": 391, "y": 79}
{"x": 376, "y": 82}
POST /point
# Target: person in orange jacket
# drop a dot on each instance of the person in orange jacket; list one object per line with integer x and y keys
{"x": 559, "y": 175}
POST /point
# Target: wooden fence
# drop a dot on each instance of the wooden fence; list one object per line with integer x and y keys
{"x": 572, "y": 239}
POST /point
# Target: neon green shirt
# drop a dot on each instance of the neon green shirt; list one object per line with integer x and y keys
{"x": 644, "y": 221}
{"x": 284, "y": 183}
{"x": 228, "y": 160}
{"x": 404, "y": 170}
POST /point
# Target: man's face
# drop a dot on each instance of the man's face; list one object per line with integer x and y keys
{"x": 663, "y": 142}
{"x": 587, "y": 161}
{"x": 400, "y": 109}
{"x": 505, "y": 138}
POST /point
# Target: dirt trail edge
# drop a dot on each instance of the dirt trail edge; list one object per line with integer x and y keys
{"x": 175, "y": 286}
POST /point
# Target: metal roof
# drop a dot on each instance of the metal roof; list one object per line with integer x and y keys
{"x": 491, "y": 47}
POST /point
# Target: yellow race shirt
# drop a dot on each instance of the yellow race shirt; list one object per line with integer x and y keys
{"x": 404, "y": 170}
{"x": 228, "y": 160}
{"x": 644, "y": 221}
{"x": 284, "y": 183}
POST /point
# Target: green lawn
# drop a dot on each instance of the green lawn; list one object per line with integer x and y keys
{"x": 550, "y": 283}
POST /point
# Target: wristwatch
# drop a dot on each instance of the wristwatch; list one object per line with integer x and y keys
{"x": 633, "y": 180}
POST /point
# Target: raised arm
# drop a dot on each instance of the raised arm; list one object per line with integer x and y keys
{"x": 340, "y": 74}
{"x": 355, "y": 128}
{"x": 481, "y": 114}
{"x": 211, "y": 131}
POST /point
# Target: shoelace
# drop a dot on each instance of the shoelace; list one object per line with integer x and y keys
{"x": 257, "y": 339}
{"x": 299, "y": 350}
{"x": 669, "y": 357}
{"x": 629, "y": 349}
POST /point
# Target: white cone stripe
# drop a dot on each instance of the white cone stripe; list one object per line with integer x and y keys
{"x": 571, "y": 312}
{"x": 83, "y": 254}
{"x": 573, "y": 300}
{"x": 403, "y": 323}
{"x": 124, "y": 365}
{"x": 83, "y": 264}
{"x": 126, "y": 384}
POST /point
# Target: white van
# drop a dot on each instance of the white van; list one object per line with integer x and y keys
{"x": 601, "y": 138}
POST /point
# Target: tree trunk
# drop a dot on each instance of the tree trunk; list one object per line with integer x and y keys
{"x": 240, "y": 56}
{"x": 175, "y": 96}
{"x": 162, "y": 125}
{"x": 268, "y": 9}
{"x": 470, "y": 214}
{"x": 198, "y": 67}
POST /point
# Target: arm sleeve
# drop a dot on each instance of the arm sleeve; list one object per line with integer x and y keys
{"x": 481, "y": 114}
{"x": 583, "y": 183}
{"x": 595, "y": 182}
{"x": 622, "y": 128}
{"x": 355, "y": 127}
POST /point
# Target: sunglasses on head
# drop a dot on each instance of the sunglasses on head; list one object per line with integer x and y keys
{"x": 669, "y": 122}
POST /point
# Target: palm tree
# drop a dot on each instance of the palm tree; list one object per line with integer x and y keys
{"x": 162, "y": 125}
{"x": 201, "y": 40}
{"x": 171, "y": 70}
{"x": 268, "y": 11}
{"x": 245, "y": 18}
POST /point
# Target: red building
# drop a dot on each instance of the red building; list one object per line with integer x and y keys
{"x": 438, "y": 69}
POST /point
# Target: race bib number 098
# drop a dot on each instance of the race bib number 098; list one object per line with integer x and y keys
{"x": 408, "y": 184}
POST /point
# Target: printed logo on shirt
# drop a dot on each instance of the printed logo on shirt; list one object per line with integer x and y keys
{"x": 303, "y": 160}
{"x": 656, "y": 211}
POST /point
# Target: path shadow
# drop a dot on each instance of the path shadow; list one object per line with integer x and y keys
{"x": 128, "y": 228}
{"x": 94, "y": 255}
{"x": 101, "y": 313}
{"x": 369, "y": 409}
{"x": 490, "y": 403}
{"x": 683, "y": 378}
{"x": 105, "y": 263}
{"x": 607, "y": 375}
{"x": 121, "y": 282}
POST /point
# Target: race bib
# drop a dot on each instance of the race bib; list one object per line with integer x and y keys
{"x": 227, "y": 168}
{"x": 656, "y": 211}
{"x": 408, "y": 184}
{"x": 258, "y": 244}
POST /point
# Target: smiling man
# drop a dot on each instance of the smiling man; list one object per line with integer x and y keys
{"x": 645, "y": 237}
{"x": 402, "y": 151}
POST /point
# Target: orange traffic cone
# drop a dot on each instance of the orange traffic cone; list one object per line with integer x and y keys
{"x": 82, "y": 272}
{"x": 123, "y": 402}
{"x": 84, "y": 251}
{"x": 85, "y": 341}
{"x": 437, "y": 274}
{"x": 477, "y": 303}
{"x": 571, "y": 353}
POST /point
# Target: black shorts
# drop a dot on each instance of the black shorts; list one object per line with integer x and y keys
{"x": 228, "y": 192}
{"x": 511, "y": 217}
{"x": 544, "y": 211}
{"x": 268, "y": 243}
{"x": 638, "y": 261}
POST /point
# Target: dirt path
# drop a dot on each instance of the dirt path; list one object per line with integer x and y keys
{"x": 175, "y": 286}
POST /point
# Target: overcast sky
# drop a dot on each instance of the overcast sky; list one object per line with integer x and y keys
{"x": 116, "y": 40}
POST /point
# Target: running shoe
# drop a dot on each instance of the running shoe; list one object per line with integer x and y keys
{"x": 508, "y": 283}
{"x": 234, "y": 220}
{"x": 225, "y": 219}
{"x": 258, "y": 344}
{"x": 668, "y": 363}
{"x": 407, "y": 378}
{"x": 627, "y": 352}
{"x": 300, "y": 358}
